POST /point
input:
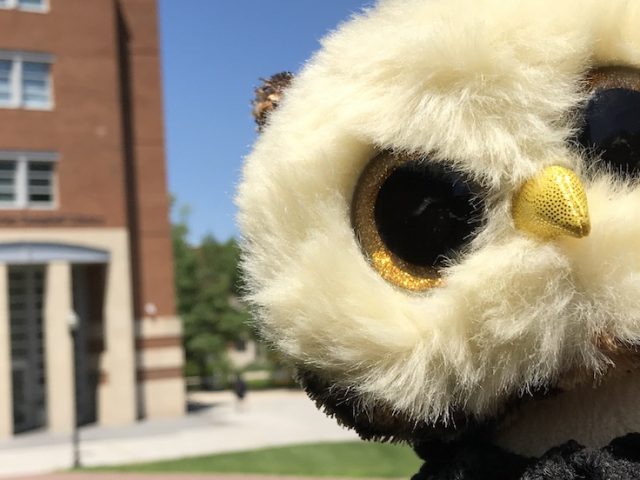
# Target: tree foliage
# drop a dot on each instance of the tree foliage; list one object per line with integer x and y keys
{"x": 207, "y": 285}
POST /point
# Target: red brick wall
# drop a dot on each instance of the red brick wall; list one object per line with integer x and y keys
{"x": 84, "y": 126}
{"x": 153, "y": 239}
{"x": 106, "y": 126}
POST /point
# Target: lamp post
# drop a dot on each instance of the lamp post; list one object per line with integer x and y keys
{"x": 74, "y": 324}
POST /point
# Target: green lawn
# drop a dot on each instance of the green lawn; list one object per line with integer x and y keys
{"x": 348, "y": 459}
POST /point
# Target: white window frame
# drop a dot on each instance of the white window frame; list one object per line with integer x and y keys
{"x": 15, "y": 4}
{"x": 22, "y": 160}
{"x": 17, "y": 59}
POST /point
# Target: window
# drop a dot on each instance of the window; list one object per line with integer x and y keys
{"x": 26, "y": 5}
{"x": 40, "y": 183}
{"x": 27, "y": 180}
{"x": 6, "y": 67}
{"x": 34, "y": 5}
{"x": 25, "y": 80}
{"x": 7, "y": 181}
{"x": 36, "y": 86}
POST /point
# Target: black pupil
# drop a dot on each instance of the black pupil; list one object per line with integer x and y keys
{"x": 612, "y": 129}
{"x": 425, "y": 214}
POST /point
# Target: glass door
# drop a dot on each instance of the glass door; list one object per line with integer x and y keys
{"x": 26, "y": 296}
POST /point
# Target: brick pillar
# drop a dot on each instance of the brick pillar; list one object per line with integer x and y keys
{"x": 117, "y": 393}
{"x": 6, "y": 397}
{"x": 59, "y": 348}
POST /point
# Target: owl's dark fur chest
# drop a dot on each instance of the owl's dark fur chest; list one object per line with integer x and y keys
{"x": 449, "y": 455}
{"x": 620, "y": 460}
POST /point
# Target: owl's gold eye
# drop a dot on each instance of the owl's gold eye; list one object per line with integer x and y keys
{"x": 412, "y": 216}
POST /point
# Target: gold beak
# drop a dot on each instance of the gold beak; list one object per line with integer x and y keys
{"x": 551, "y": 204}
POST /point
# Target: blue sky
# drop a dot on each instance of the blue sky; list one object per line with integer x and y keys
{"x": 213, "y": 54}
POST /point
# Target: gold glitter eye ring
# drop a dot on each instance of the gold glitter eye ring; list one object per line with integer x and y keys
{"x": 411, "y": 216}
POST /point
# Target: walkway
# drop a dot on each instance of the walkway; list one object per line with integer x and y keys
{"x": 120, "y": 476}
{"x": 214, "y": 425}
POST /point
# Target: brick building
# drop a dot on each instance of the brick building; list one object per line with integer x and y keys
{"x": 84, "y": 229}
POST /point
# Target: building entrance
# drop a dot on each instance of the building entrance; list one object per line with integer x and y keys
{"x": 26, "y": 293}
{"x": 88, "y": 304}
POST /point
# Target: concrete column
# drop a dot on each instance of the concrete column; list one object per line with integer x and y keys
{"x": 59, "y": 348}
{"x": 160, "y": 363}
{"x": 117, "y": 393}
{"x": 6, "y": 396}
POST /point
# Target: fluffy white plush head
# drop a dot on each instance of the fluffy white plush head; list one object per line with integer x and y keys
{"x": 494, "y": 91}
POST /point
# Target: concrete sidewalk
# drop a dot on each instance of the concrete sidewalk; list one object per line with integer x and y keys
{"x": 214, "y": 425}
{"x": 120, "y": 476}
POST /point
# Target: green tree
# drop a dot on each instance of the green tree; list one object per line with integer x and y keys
{"x": 185, "y": 262}
{"x": 207, "y": 285}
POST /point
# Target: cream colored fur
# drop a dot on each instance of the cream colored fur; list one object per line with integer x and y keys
{"x": 490, "y": 86}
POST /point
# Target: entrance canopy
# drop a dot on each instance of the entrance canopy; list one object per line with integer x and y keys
{"x": 25, "y": 253}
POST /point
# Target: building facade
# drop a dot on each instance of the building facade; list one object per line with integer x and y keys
{"x": 84, "y": 229}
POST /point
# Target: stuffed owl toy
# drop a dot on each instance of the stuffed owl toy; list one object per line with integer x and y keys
{"x": 441, "y": 231}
